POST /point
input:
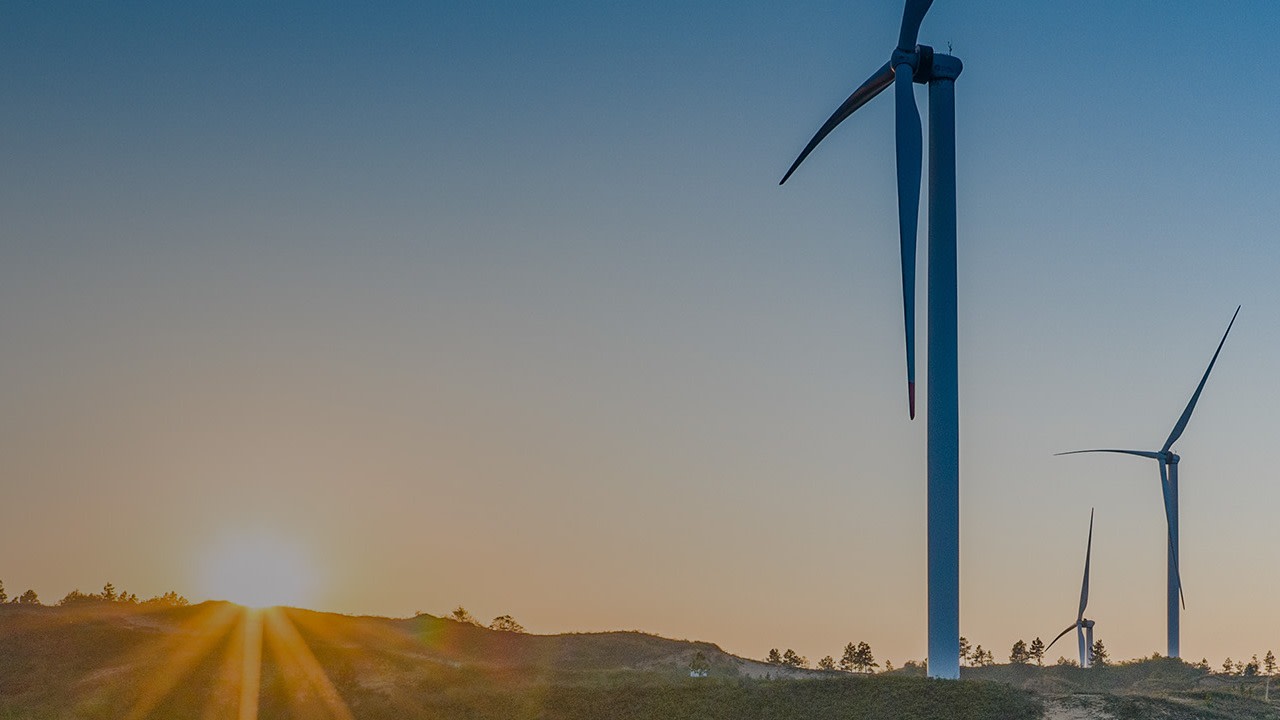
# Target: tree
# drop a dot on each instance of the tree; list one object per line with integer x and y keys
{"x": 863, "y": 660}
{"x": 1268, "y": 660}
{"x": 966, "y": 650}
{"x": 1228, "y": 666}
{"x": 169, "y": 599}
{"x": 1251, "y": 668}
{"x": 28, "y": 598}
{"x": 846, "y": 660}
{"x": 1098, "y": 654}
{"x": 75, "y": 597}
{"x": 506, "y": 623}
{"x": 461, "y": 615}
{"x": 791, "y": 658}
{"x": 888, "y": 665}
{"x": 774, "y": 657}
{"x": 1019, "y": 655}
{"x": 1064, "y": 662}
{"x": 827, "y": 663}
{"x": 3, "y": 595}
{"x": 109, "y": 592}
{"x": 1204, "y": 665}
{"x": 983, "y": 657}
{"x": 1037, "y": 651}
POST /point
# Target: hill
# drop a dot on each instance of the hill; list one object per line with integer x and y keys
{"x": 217, "y": 660}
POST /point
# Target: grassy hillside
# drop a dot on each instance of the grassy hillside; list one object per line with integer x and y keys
{"x": 111, "y": 661}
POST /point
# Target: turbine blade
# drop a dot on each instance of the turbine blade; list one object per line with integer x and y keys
{"x": 910, "y": 156}
{"x": 912, "y": 16}
{"x": 1070, "y": 627}
{"x": 1186, "y": 414}
{"x": 1084, "y": 586}
{"x": 878, "y": 81}
{"x": 1168, "y": 518}
{"x": 1139, "y": 453}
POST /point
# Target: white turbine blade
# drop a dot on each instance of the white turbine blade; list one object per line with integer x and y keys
{"x": 1084, "y": 586}
{"x": 1064, "y": 632}
{"x": 1191, "y": 406}
{"x": 1168, "y": 519}
{"x": 1139, "y": 453}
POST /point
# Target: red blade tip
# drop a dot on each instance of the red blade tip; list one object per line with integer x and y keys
{"x": 911, "y": 398}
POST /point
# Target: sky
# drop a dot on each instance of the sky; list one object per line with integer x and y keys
{"x": 501, "y": 306}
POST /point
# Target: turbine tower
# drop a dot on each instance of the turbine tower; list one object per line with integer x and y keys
{"x": 1082, "y": 626}
{"x": 1168, "y": 461}
{"x": 911, "y": 63}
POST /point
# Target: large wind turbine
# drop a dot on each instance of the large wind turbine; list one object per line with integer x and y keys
{"x": 910, "y": 63}
{"x": 1168, "y": 461}
{"x": 1083, "y": 627}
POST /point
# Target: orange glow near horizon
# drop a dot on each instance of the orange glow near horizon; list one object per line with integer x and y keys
{"x": 243, "y": 637}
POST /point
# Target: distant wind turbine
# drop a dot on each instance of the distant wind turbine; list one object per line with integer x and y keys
{"x": 1083, "y": 627}
{"x": 1168, "y": 461}
{"x": 919, "y": 63}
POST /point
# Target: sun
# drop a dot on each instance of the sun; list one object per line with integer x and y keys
{"x": 259, "y": 571}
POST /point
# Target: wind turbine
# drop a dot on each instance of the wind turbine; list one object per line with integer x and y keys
{"x": 1168, "y": 461}
{"x": 1083, "y": 627}
{"x": 910, "y": 63}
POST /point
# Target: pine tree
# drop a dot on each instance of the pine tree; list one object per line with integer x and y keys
{"x": 3, "y": 596}
{"x": 1037, "y": 651}
{"x": 792, "y": 659}
{"x": 979, "y": 656}
{"x": 1097, "y": 654}
{"x": 846, "y": 660}
{"x": 1019, "y": 654}
{"x": 827, "y": 663}
{"x": 1228, "y": 666}
{"x": 966, "y": 650}
{"x": 1268, "y": 660}
{"x": 461, "y": 615}
{"x": 863, "y": 660}
{"x": 774, "y": 657}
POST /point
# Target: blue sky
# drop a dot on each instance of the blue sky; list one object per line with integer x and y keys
{"x": 518, "y": 281}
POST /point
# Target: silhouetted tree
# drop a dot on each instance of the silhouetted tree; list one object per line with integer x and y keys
{"x": 888, "y": 665}
{"x": 3, "y": 596}
{"x": 774, "y": 657}
{"x": 791, "y": 658}
{"x": 1019, "y": 655}
{"x": 169, "y": 599}
{"x": 983, "y": 657}
{"x": 1062, "y": 661}
{"x": 1098, "y": 654}
{"x": 1037, "y": 651}
{"x": 28, "y": 598}
{"x": 846, "y": 660}
{"x": 1204, "y": 665}
{"x": 1251, "y": 668}
{"x": 863, "y": 660}
{"x": 1268, "y": 660}
{"x": 506, "y": 623}
{"x": 827, "y": 663}
{"x": 461, "y": 615}
{"x": 109, "y": 592}
{"x": 1228, "y": 666}
{"x": 75, "y": 597}
{"x": 966, "y": 650}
